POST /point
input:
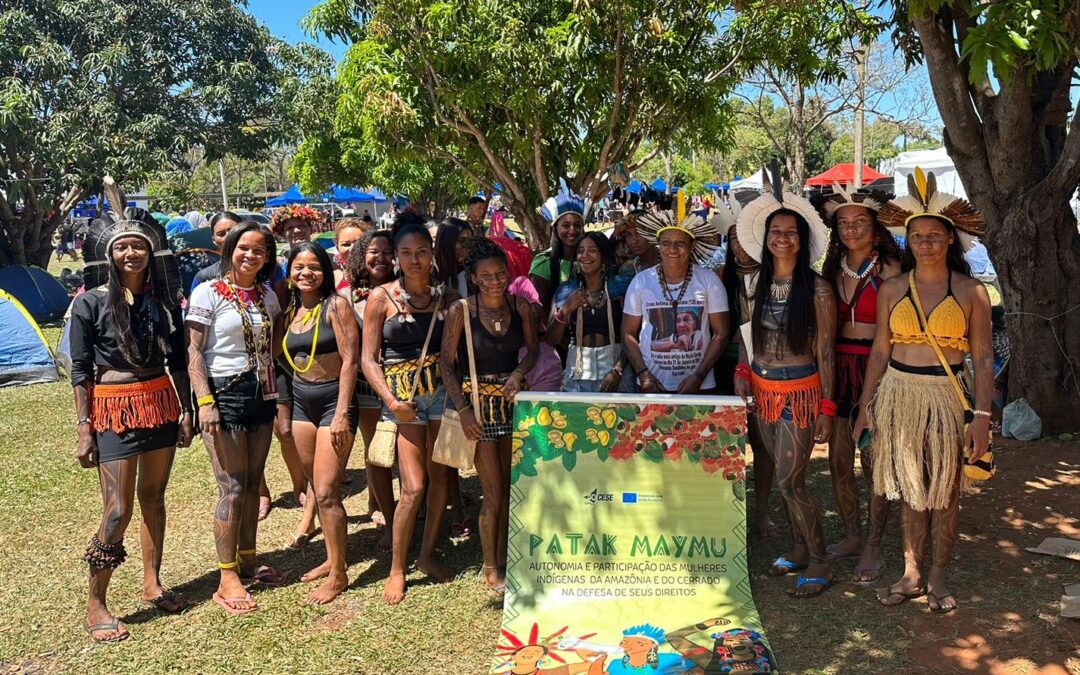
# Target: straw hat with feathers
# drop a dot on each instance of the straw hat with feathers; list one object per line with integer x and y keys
{"x": 120, "y": 222}
{"x": 924, "y": 199}
{"x": 706, "y": 234}
{"x": 750, "y": 225}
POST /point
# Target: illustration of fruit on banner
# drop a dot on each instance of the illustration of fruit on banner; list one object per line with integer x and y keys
{"x": 627, "y": 541}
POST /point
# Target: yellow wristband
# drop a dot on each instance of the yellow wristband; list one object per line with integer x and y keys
{"x": 205, "y": 400}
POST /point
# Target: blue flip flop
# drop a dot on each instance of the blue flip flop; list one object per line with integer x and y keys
{"x": 800, "y": 581}
{"x": 786, "y": 565}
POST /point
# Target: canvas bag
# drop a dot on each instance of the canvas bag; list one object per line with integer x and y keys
{"x": 985, "y": 468}
{"x": 382, "y": 451}
{"x": 452, "y": 447}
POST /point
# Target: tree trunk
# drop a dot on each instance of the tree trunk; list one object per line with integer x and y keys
{"x": 537, "y": 231}
{"x": 1036, "y": 288}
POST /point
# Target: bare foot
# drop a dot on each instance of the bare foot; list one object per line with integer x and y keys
{"x": 394, "y": 590}
{"x": 378, "y": 518}
{"x": 434, "y": 569}
{"x": 233, "y": 592}
{"x": 849, "y": 548}
{"x": 870, "y": 566}
{"x": 316, "y": 573}
{"x": 494, "y": 579}
{"x": 766, "y": 528}
{"x": 335, "y": 585}
{"x": 386, "y": 542}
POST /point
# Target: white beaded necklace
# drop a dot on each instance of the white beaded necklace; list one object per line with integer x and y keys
{"x": 867, "y": 267}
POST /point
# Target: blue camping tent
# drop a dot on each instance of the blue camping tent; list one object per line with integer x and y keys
{"x": 24, "y": 355}
{"x": 178, "y": 226}
{"x": 292, "y": 196}
{"x": 38, "y": 291}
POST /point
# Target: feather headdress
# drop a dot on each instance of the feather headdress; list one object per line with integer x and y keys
{"x": 841, "y": 197}
{"x": 705, "y": 233}
{"x": 750, "y": 224}
{"x": 562, "y": 203}
{"x": 119, "y": 222}
{"x": 549, "y": 642}
{"x": 724, "y": 217}
{"x": 924, "y": 199}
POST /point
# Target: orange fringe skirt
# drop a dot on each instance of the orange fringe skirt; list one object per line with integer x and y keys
{"x": 772, "y": 397}
{"x": 134, "y": 405}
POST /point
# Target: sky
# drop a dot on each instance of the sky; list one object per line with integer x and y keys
{"x": 282, "y": 17}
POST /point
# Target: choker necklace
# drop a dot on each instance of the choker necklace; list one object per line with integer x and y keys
{"x": 781, "y": 291}
{"x": 864, "y": 269}
{"x": 743, "y": 270}
{"x": 682, "y": 289}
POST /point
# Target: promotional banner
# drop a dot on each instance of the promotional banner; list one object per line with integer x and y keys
{"x": 627, "y": 542}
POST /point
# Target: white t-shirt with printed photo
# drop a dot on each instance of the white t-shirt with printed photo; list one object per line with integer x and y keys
{"x": 673, "y": 340}
{"x": 225, "y": 352}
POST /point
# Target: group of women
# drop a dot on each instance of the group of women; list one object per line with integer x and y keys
{"x": 402, "y": 327}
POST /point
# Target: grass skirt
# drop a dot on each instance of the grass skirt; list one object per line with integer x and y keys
{"x": 918, "y": 433}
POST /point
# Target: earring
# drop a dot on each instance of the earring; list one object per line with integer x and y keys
{"x": 435, "y": 267}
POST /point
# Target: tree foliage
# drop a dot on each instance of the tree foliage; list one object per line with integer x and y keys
{"x": 1001, "y": 74}
{"x": 126, "y": 88}
{"x": 523, "y": 92}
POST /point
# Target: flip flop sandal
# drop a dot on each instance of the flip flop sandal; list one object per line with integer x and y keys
{"x": 800, "y": 581}
{"x": 783, "y": 567}
{"x": 867, "y": 582}
{"x": 224, "y": 603}
{"x": 938, "y": 600}
{"x": 111, "y": 626}
{"x": 847, "y": 556}
{"x": 265, "y": 575}
{"x": 264, "y": 509}
{"x": 903, "y": 595}
{"x": 297, "y": 541}
{"x": 162, "y": 603}
{"x": 459, "y": 529}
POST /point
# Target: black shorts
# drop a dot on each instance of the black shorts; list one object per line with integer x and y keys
{"x": 315, "y": 402}
{"x": 113, "y": 446}
{"x": 241, "y": 405}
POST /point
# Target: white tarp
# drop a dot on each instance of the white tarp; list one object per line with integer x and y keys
{"x": 936, "y": 160}
{"x": 754, "y": 182}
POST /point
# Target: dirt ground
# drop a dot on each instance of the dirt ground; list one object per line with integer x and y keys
{"x": 1008, "y": 619}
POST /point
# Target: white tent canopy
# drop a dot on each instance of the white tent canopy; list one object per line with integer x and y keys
{"x": 754, "y": 182}
{"x": 936, "y": 160}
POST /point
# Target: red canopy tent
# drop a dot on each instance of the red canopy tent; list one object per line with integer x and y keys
{"x": 843, "y": 174}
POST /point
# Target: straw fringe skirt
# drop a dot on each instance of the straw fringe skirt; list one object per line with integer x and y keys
{"x": 918, "y": 433}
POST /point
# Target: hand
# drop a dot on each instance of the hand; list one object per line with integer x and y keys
{"x": 862, "y": 423}
{"x": 469, "y": 425}
{"x": 649, "y": 385}
{"x": 341, "y": 434}
{"x": 823, "y": 429}
{"x": 187, "y": 431}
{"x": 283, "y": 421}
{"x": 573, "y": 303}
{"x": 86, "y": 451}
{"x": 404, "y": 411}
{"x": 743, "y": 390}
{"x": 691, "y": 385}
{"x": 977, "y": 437}
{"x": 611, "y": 381}
{"x": 210, "y": 418}
{"x": 512, "y": 386}
{"x": 684, "y": 342}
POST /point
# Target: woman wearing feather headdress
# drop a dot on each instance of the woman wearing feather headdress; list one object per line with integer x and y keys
{"x": 125, "y": 331}
{"x": 862, "y": 254}
{"x": 788, "y": 364}
{"x": 912, "y": 399}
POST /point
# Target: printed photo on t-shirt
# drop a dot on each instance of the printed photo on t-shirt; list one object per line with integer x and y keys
{"x": 676, "y": 330}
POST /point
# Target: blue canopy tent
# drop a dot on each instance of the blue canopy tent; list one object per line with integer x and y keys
{"x": 292, "y": 196}
{"x": 343, "y": 195}
{"x": 375, "y": 195}
{"x": 712, "y": 186}
{"x": 660, "y": 185}
{"x": 635, "y": 187}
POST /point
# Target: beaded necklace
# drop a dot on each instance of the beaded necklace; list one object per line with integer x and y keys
{"x": 682, "y": 289}
{"x": 240, "y": 299}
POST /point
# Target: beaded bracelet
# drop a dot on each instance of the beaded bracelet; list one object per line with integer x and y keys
{"x": 205, "y": 400}
{"x": 828, "y": 408}
{"x": 742, "y": 372}
{"x": 981, "y": 413}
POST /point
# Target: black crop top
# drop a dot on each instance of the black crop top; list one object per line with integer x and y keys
{"x": 93, "y": 338}
{"x": 299, "y": 344}
{"x": 495, "y": 355}
{"x": 595, "y": 321}
{"x": 403, "y": 340}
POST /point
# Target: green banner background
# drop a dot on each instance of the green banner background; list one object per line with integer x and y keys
{"x": 627, "y": 546}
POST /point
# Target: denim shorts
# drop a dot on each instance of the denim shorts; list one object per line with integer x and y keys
{"x": 785, "y": 373}
{"x": 365, "y": 396}
{"x": 429, "y": 408}
{"x": 628, "y": 384}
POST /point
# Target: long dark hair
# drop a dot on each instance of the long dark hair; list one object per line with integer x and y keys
{"x": 120, "y": 314}
{"x": 800, "y": 321}
{"x": 356, "y": 264}
{"x": 446, "y": 239}
{"x": 608, "y": 263}
{"x": 233, "y": 238}
{"x": 954, "y": 258}
{"x": 885, "y": 245}
{"x": 732, "y": 284}
{"x": 328, "y": 287}
{"x": 555, "y": 262}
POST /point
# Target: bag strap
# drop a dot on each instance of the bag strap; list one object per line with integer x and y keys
{"x": 424, "y": 350}
{"x": 930, "y": 338}
{"x": 467, "y": 329}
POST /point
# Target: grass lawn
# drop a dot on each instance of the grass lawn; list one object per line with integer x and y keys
{"x": 1008, "y": 621}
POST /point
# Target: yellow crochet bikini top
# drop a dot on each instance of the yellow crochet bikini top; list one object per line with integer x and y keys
{"x": 947, "y": 323}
